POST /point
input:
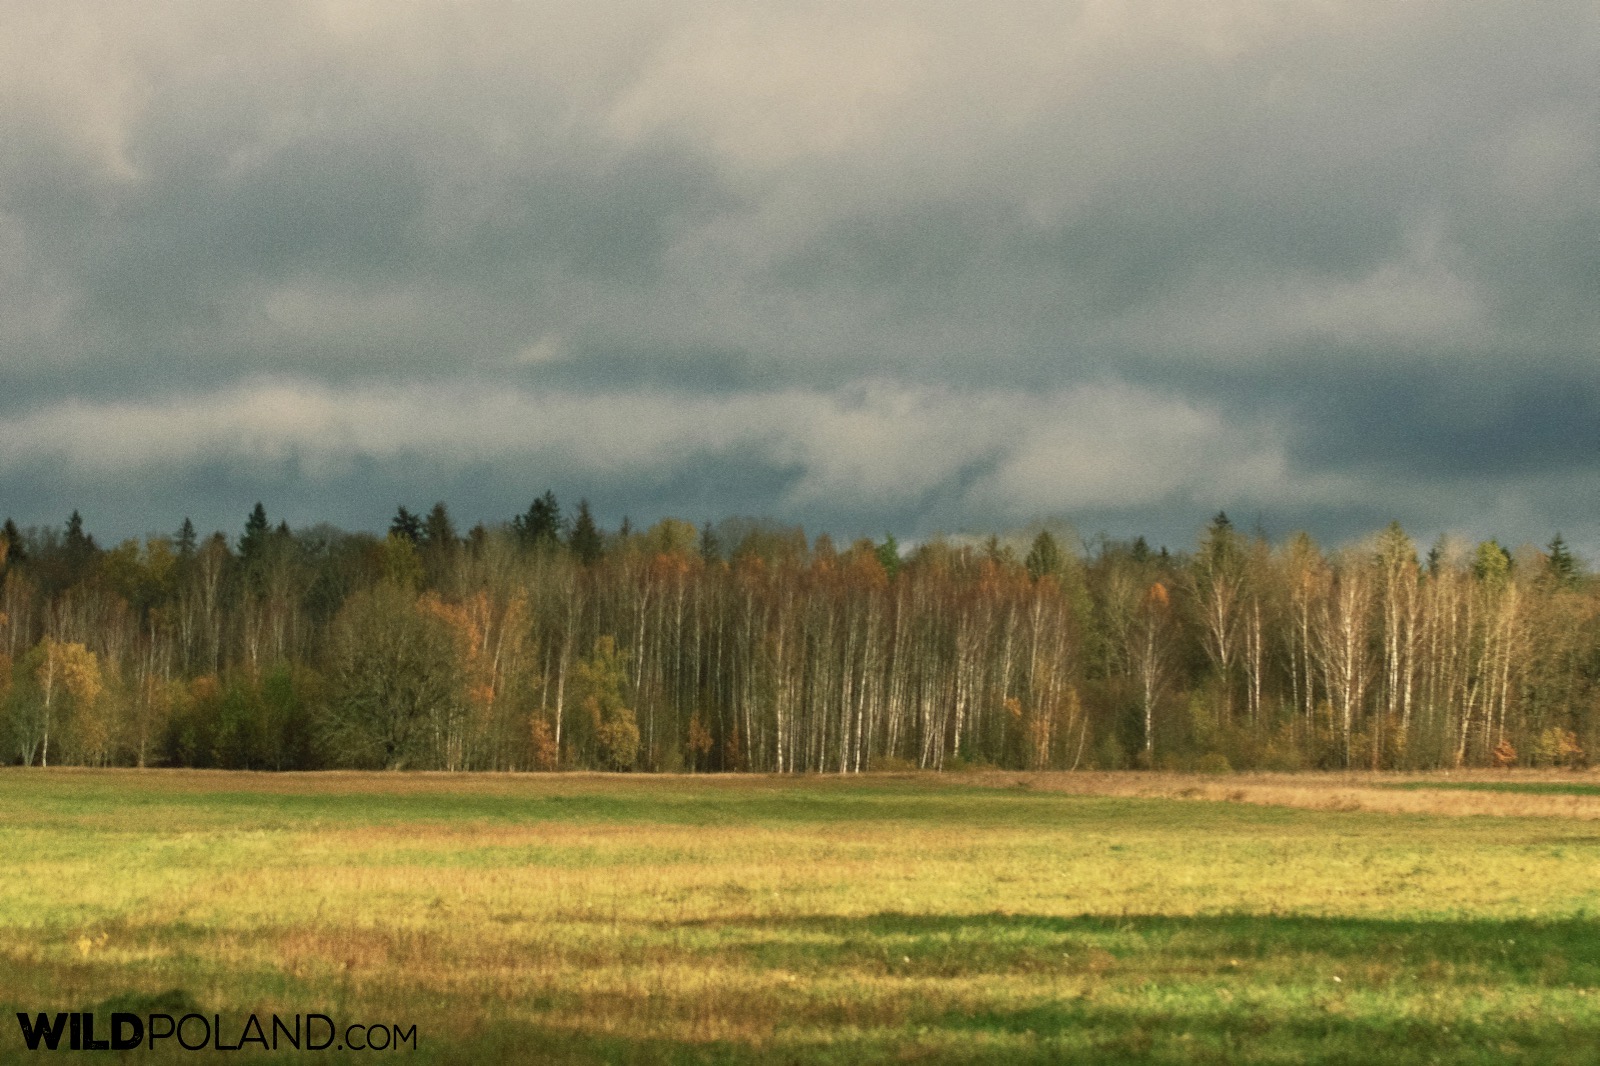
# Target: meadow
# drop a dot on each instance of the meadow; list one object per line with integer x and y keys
{"x": 734, "y": 919}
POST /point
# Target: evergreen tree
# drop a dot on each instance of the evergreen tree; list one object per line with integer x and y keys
{"x": 438, "y": 531}
{"x": 254, "y": 541}
{"x": 13, "y": 540}
{"x": 407, "y": 525}
{"x": 1560, "y": 564}
{"x": 1220, "y": 545}
{"x": 541, "y": 526}
{"x": 186, "y": 540}
{"x": 889, "y": 555}
{"x": 710, "y": 544}
{"x": 585, "y": 541}
{"x": 78, "y": 550}
{"x": 1044, "y": 558}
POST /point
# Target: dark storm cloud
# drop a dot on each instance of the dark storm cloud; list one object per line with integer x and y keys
{"x": 1318, "y": 263}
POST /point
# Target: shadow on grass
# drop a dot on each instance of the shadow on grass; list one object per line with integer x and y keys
{"x": 1151, "y": 989}
{"x": 1525, "y": 952}
{"x": 1537, "y": 788}
{"x": 1081, "y": 1034}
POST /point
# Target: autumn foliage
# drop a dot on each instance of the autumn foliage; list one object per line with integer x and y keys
{"x": 748, "y": 646}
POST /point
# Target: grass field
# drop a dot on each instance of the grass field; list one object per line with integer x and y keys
{"x": 730, "y": 920}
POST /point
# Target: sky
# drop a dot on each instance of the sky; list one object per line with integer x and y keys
{"x": 875, "y": 267}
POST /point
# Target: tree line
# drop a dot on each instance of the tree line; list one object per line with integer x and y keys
{"x": 548, "y": 643}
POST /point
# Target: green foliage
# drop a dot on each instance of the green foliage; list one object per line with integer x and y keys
{"x": 15, "y": 552}
{"x": 401, "y": 565}
{"x": 888, "y": 554}
{"x": 542, "y": 526}
{"x": 438, "y": 531}
{"x": 585, "y": 541}
{"x": 253, "y": 542}
{"x": 1560, "y": 564}
{"x": 185, "y": 540}
{"x": 407, "y": 525}
{"x": 805, "y": 652}
{"x": 1044, "y": 557}
{"x": 710, "y": 546}
{"x": 600, "y": 680}
{"x": 670, "y": 536}
{"x": 392, "y": 672}
{"x": 1220, "y": 549}
{"x": 1491, "y": 564}
{"x": 1109, "y": 754}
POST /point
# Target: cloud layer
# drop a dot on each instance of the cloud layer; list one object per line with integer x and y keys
{"x": 909, "y": 267}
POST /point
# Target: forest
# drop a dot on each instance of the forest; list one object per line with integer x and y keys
{"x": 547, "y": 643}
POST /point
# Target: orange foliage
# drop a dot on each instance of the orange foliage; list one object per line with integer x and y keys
{"x": 205, "y": 689}
{"x": 469, "y": 623}
{"x": 546, "y": 753}
{"x": 700, "y": 741}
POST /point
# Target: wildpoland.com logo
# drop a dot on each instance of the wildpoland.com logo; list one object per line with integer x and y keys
{"x": 198, "y": 1032}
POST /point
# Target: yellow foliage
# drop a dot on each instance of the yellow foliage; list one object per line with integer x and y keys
{"x": 671, "y": 536}
{"x": 74, "y": 667}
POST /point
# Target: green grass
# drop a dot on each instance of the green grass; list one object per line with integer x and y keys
{"x": 1538, "y": 788}
{"x": 665, "y": 920}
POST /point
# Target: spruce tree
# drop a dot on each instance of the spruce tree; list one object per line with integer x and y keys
{"x": 185, "y": 541}
{"x": 710, "y": 544}
{"x": 889, "y": 555}
{"x": 13, "y": 538}
{"x": 78, "y": 551}
{"x": 585, "y": 541}
{"x": 407, "y": 525}
{"x": 1044, "y": 558}
{"x": 438, "y": 531}
{"x": 1560, "y": 564}
{"x": 254, "y": 541}
{"x": 541, "y": 526}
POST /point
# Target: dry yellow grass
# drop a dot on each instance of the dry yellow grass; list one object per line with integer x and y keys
{"x": 1431, "y": 793}
{"x": 602, "y": 918}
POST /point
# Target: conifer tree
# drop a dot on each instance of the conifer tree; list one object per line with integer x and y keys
{"x": 185, "y": 541}
{"x": 254, "y": 541}
{"x": 438, "y": 531}
{"x": 710, "y": 544}
{"x": 1044, "y": 557}
{"x": 79, "y": 549}
{"x": 585, "y": 541}
{"x": 889, "y": 555}
{"x": 407, "y": 525}
{"x": 13, "y": 539}
{"x": 541, "y": 527}
{"x": 1560, "y": 563}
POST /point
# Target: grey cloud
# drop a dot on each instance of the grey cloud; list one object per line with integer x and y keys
{"x": 1332, "y": 261}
